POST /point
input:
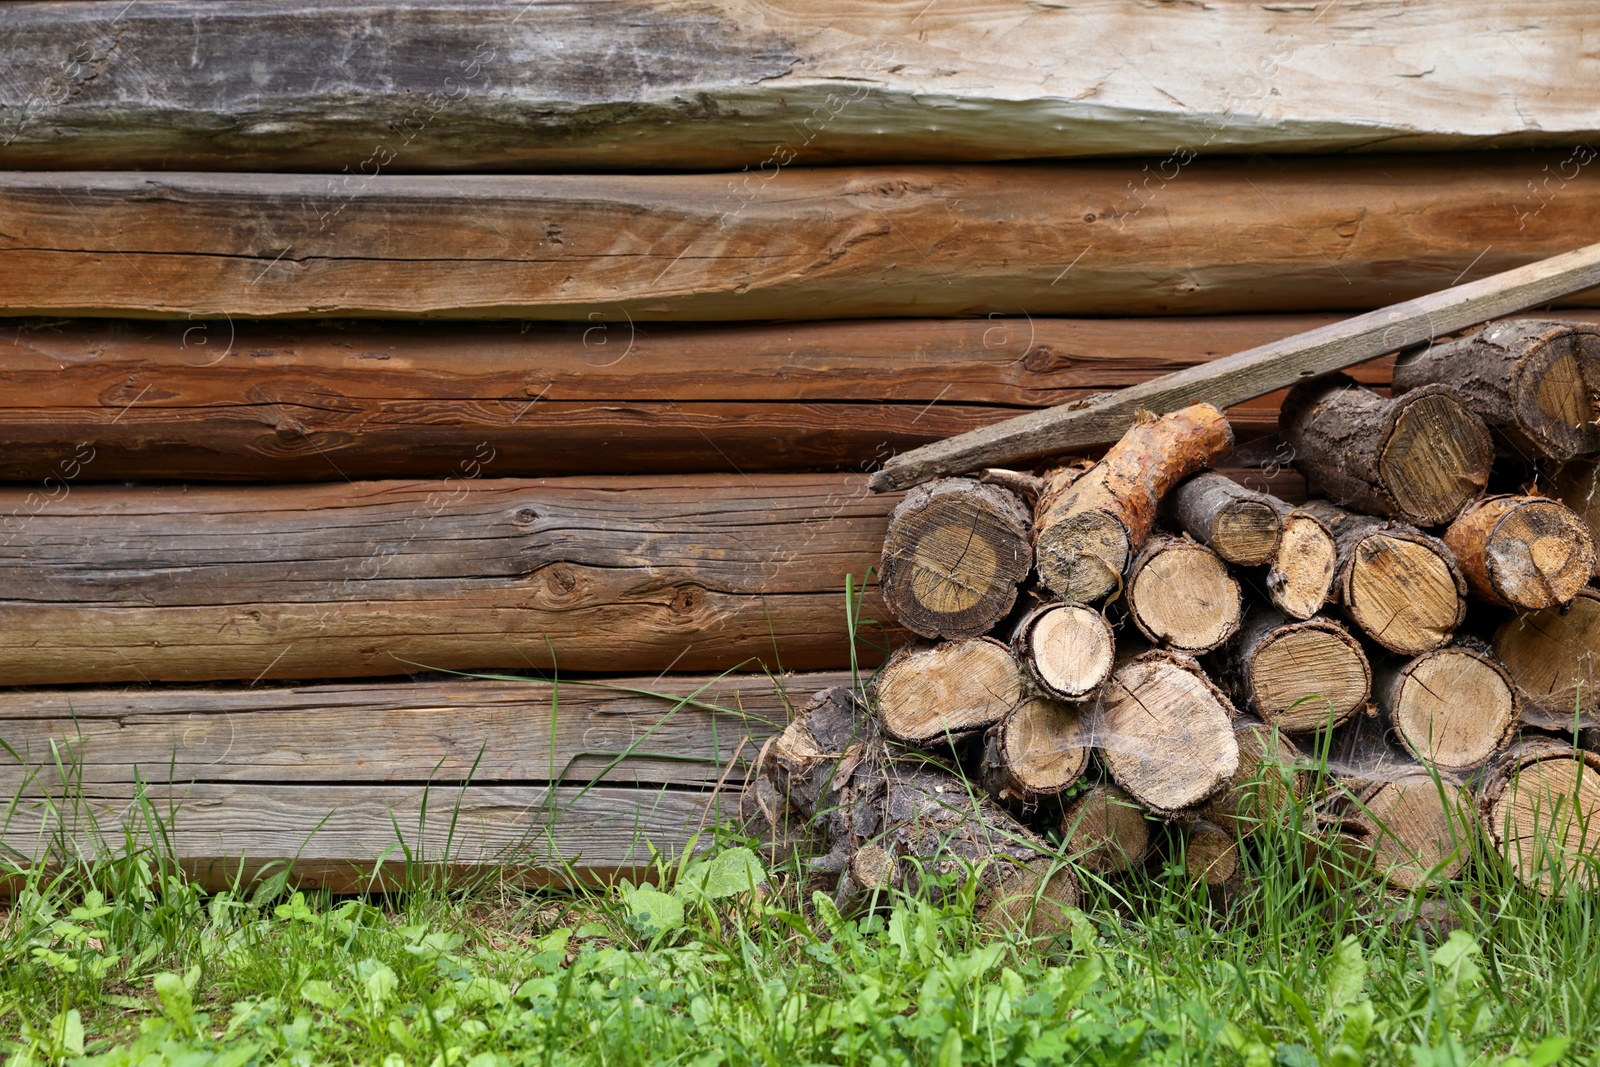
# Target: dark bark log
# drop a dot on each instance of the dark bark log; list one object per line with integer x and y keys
{"x": 934, "y": 693}
{"x": 1089, "y": 524}
{"x": 1067, "y": 649}
{"x": 1421, "y": 457}
{"x": 1181, "y": 596}
{"x": 1400, "y": 586}
{"x": 1106, "y": 831}
{"x": 1540, "y": 802}
{"x": 1165, "y": 733}
{"x": 1522, "y": 552}
{"x": 1452, "y": 708}
{"x": 955, "y": 552}
{"x": 1038, "y": 750}
{"x": 1238, "y": 524}
{"x": 1553, "y": 657}
{"x": 1300, "y": 676}
{"x": 1536, "y": 383}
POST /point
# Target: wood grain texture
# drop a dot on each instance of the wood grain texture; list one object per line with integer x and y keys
{"x": 1228, "y": 236}
{"x": 340, "y": 834}
{"x": 649, "y": 83}
{"x": 698, "y": 573}
{"x": 284, "y": 401}
{"x": 622, "y": 731}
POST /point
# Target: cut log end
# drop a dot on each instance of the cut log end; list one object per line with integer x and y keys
{"x": 1541, "y": 804}
{"x": 1300, "y": 676}
{"x": 1238, "y": 524}
{"x": 1165, "y": 732}
{"x": 1301, "y": 572}
{"x": 1555, "y": 394}
{"x": 1182, "y": 596}
{"x": 1437, "y": 459}
{"x": 1552, "y": 656}
{"x": 1267, "y": 784}
{"x": 1039, "y": 749}
{"x": 1453, "y": 708}
{"x": 929, "y": 693}
{"x": 1106, "y": 830}
{"x": 1210, "y": 855}
{"x": 1068, "y": 649}
{"x": 1417, "y": 830}
{"x": 1522, "y": 552}
{"x": 1081, "y": 558}
{"x": 955, "y": 551}
{"x": 1403, "y": 592}
{"x": 1034, "y": 897}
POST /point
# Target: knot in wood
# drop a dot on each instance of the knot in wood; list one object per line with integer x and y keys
{"x": 561, "y": 581}
{"x": 289, "y": 428}
{"x": 687, "y": 600}
{"x": 525, "y": 517}
{"x": 1042, "y": 359}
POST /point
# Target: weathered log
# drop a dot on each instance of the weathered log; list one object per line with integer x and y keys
{"x": 484, "y": 86}
{"x": 1421, "y": 457}
{"x": 837, "y": 243}
{"x": 1210, "y": 855}
{"x": 1576, "y": 484}
{"x": 1552, "y": 656}
{"x": 1180, "y": 595}
{"x": 1391, "y": 816}
{"x": 1522, "y": 552}
{"x": 1452, "y": 708}
{"x": 1251, "y": 373}
{"x": 1400, "y": 586}
{"x": 1299, "y": 676}
{"x": 1238, "y": 524}
{"x": 894, "y": 820}
{"x": 1536, "y": 383}
{"x": 1088, "y": 524}
{"x": 1300, "y": 576}
{"x": 1268, "y": 783}
{"x": 1067, "y": 649}
{"x": 110, "y": 583}
{"x": 955, "y": 552}
{"x": 929, "y": 693}
{"x": 1539, "y": 803}
{"x": 1039, "y": 749}
{"x": 1105, "y": 830}
{"x": 1164, "y": 731}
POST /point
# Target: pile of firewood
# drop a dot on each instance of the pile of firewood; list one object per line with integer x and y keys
{"x": 1112, "y": 645}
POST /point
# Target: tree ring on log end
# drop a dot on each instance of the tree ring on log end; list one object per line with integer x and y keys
{"x": 1182, "y": 596}
{"x": 1419, "y": 829}
{"x": 1435, "y": 458}
{"x": 1402, "y": 594}
{"x": 1544, "y": 816}
{"x": 1539, "y": 555}
{"x": 1301, "y": 572}
{"x": 1554, "y": 395}
{"x": 1552, "y": 656}
{"x": 926, "y": 693}
{"x": 1106, "y": 830}
{"x": 1046, "y": 745}
{"x": 1266, "y": 785}
{"x": 1081, "y": 558}
{"x": 1069, "y": 650}
{"x": 1452, "y": 708}
{"x": 1307, "y": 676}
{"x": 1210, "y": 855}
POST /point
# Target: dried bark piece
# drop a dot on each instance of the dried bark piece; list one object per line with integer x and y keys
{"x": 1238, "y": 524}
{"x": 1400, "y": 586}
{"x": 1068, "y": 649}
{"x": 1421, "y": 457}
{"x": 1297, "y": 675}
{"x": 1522, "y": 552}
{"x": 1452, "y": 708}
{"x": 1181, "y": 595}
{"x": 929, "y": 693}
{"x": 1106, "y": 830}
{"x": 1211, "y": 855}
{"x": 1540, "y": 803}
{"x": 1552, "y": 657}
{"x": 1039, "y": 749}
{"x": 1300, "y": 575}
{"x": 955, "y": 552}
{"x": 1533, "y": 381}
{"x": 1088, "y": 524}
{"x": 1267, "y": 782}
{"x": 1165, "y": 732}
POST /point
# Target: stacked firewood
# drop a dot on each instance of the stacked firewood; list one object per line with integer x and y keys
{"x": 1104, "y": 647}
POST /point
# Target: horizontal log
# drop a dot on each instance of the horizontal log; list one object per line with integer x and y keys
{"x": 649, "y": 83}
{"x": 1223, "y": 236}
{"x": 283, "y": 401}
{"x": 353, "y": 838}
{"x": 696, "y": 573}
{"x": 670, "y": 730}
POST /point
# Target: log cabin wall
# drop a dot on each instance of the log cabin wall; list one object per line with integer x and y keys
{"x": 346, "y": 341}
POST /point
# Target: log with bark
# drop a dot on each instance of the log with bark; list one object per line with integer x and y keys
{"x": 1400, "y": 586}
{"x": 700, "y": 572}
{"x": 894, "y": 820}
{"x": 1540, "y": 802}
{"x": 1238, "y": 524}
{"x": 1038, "y": 750}
{"x": 1164, "y": 731}
{"x": 932, "y": 693}
{"x": 1576, "y": 484}
{"x": 1552, "y": 657}
{"x": 1211, "y": 855}
{"x": 1105, "y": 830}
{"x": 1298, "y": 675}
{"x": 1452, "y": 708}
{"x": 1536, "y": 383}
{"x": 1299, "y": 577}
{"x": 1420, "y": 458}
{"x": 1181, "y": 595}
{"x": 609, "y": 248}
{"x": 1268, "y": 784}
{"x": 955, "y": 553}
{"x": 1089, "y": 524}
{"x": 1068, "y": 649}
{"x": 1522, "y": 552}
